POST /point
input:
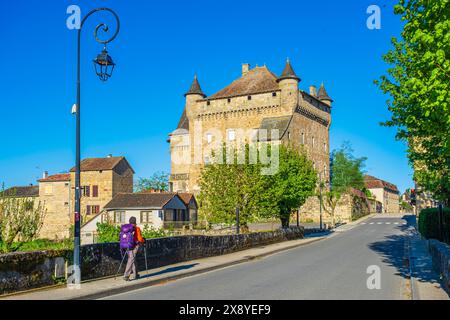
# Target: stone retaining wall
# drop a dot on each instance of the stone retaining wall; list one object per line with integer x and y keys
{"x": 27, "y": 270}
{"x": 440, "y": 253}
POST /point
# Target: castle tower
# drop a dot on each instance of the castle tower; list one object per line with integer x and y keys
{"x": 192, "y": 95}
{"x": 288, "y": 82}
{"x": 323, "y": 95}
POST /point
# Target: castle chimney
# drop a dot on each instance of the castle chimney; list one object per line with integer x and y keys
{"x": 245, "y": 68}
{"x": 45, "y": 175}
{"x": 313, "y": 90}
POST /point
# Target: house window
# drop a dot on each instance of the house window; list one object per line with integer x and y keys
{"x": 95, "y": 209}
{"x": 208, "y": 137}
{"x": 48, "y": 189}
{"x": 231, "y": 135}
{"x": 88, "y": 210}
{"x": 146, "y": 217}
{"x": 95, "y": 191}
{"x": 119, "y": 216}
{"x": 86, "y": 191}
{"x": 274, "y": 94}
{"x": 249, "y": 97}
{"x": 160, "y": 214}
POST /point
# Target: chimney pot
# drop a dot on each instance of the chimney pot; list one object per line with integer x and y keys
{"x": 45, "y": 175}
{"x": 245, "y": 68}
{"x": 313, "y": 91}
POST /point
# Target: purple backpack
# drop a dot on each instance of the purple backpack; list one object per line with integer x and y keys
{"x": 126, "y": 236}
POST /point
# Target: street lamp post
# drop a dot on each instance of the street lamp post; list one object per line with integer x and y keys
{"x": 104, "y": 66}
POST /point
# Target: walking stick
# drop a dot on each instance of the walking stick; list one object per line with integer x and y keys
{"x": 145, "y": 255}
{"x": 120, "y": 266}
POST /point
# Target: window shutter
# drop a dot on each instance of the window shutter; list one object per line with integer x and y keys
{"x": 88, "y": 191}
{"x": 88, "y": 209}
{"x": 95, "y": 191}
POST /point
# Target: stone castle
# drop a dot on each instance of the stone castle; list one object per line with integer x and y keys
{"x": 259, "y": 99}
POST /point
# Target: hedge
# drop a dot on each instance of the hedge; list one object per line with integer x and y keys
{"x": 429, "y": 224}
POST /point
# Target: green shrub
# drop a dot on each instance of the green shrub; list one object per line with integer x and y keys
{"x": 428, "y": 224}
{"x": 107, "y": 232}
{"x": 36, "y": 245}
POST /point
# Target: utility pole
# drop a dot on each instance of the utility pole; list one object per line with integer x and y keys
{"x": 320, "y": 198}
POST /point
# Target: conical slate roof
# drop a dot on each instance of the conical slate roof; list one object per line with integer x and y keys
{"x": 323, "y": 95}
{"x": 195, "y": 88}
{"x": 288, "y": 73}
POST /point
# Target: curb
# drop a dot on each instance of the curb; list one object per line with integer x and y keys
{"x": 114, "y": 291}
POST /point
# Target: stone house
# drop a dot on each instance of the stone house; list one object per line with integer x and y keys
{"x": 155, "y": 209}
{"x": 384, "y": 192}
{"x": 258, "y": 100}
{"x": 100, "y": 179}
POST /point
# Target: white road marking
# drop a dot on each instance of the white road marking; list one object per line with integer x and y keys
{"x": 395, "y": 222}
{"x": 371, "y": 223}
{"x": 388, "y": 223}
{"x": 379, "y": 222}
{"x": 363, "y": 223}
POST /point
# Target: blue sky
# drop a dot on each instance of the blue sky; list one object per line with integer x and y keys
{"x": 161, "y": 45}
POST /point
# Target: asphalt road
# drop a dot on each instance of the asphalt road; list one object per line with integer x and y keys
{"x": 334, "y": 268}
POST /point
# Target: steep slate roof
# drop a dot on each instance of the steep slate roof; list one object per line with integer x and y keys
{"x": 280, "y": 123}
{"x": 97, "y": 164}
{"x": 372, "y": 182}
{"x": 288, "y": 73}
{"x": 139, "y": 200}
{"x": 22, "y": 191}
{"x": 56, "y": 177}
{"x": 256, "y": 80}
{"x": 323, "y": 95}
{"x": 195, "y": 88}
{"x": 184, "y": 122}
{"x": 186, "y": 197}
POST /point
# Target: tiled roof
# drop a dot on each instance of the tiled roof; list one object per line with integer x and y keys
{"x": 275, "y": 123}
{"x": 323, "y": 95}
{"x": 184, "y": 122}
{"x": 139, "y": 200}
{"x": 288, "y": 73}
{"x": 26, "y": 191}
{"x": 372, "y": 182}
{"x": 195, "y": 88}
{"x": 256, "y": 80}
{"x": 56, "y": 177}
{"x": 184, "y": 196}
{"x": 97, "y": 164}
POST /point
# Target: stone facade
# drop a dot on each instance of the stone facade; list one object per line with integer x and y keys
{"x": 100, "y": 179}
{"x": 384, "y": 192}
{"x": 257, "y": 100}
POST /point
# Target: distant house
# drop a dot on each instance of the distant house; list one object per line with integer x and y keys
{"x": 157, "y": 210}
{"x": 100, "y": 178}
{"x": 384, "y": 192}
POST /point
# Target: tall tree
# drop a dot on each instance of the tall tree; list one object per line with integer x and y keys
{"x": 346, "y": 172}
{"x": 418, "y": 83}
{"x": 158, "y": 181}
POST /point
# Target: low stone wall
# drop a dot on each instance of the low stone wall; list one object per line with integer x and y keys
{"x": 27, "y": 270}
{"x": 440, "y": 253}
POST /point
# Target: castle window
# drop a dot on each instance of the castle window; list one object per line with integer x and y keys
{"x": 324, "y": 147}
{"x": 208, "y": 137}
{"x": 313, "y": 141}
{"x": 228, "y": 100}
{"x": 249, "y": 97}
{"x": 289, "y": 136}
{"x": 274, "y": 94}
{"x": 208, "y": 103}
{"x": 231, "y": 135}
{"x": 303, "y": 138}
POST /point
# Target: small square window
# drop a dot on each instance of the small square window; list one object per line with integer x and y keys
{"x": 274, "y": 94}
{"x": 249, "y": 97}
{"x": 208, "y": 103}
{"x": 231, "y": 135}
{"x": 228, "y": 100}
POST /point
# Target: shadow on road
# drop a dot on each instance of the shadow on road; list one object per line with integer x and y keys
{"x": 392, "y": 250}
{"x": 168, "y": 270}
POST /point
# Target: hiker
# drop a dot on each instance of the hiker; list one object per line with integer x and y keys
{"x": 130, "y": 240}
